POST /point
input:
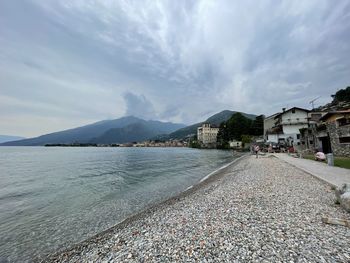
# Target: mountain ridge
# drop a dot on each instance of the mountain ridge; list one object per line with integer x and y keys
{"x": 7, "y": 138}
{"x": 122, "y": 130}
{"x": 86, "y": 133}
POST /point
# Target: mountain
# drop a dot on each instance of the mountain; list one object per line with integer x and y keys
{"x": 135, "y": 132}
{"x": 216, "y": 119}
{"x": 8, "y": 138}
{"x": 103, "y": 130}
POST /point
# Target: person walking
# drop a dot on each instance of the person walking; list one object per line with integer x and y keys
{"x": 256, "y": 149}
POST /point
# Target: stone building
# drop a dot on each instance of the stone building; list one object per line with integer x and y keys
{"x": 336, "y": 129}
{"x": 207, "y": 135}
{"x": 312, "y": 136}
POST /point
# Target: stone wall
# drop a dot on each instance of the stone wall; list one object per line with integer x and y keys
{"x": 339, "y": 149}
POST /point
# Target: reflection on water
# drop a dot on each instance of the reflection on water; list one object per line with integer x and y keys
{"x": 53, "y": 197}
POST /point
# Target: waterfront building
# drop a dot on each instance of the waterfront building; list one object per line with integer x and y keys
{"x": 286, "y": 126}
{"x": 207, "y": 135}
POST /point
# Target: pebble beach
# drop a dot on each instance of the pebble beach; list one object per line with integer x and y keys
{"x": 255, "y": 210}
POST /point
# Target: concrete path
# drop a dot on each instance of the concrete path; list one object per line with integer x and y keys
{"x": 333, "y": 175}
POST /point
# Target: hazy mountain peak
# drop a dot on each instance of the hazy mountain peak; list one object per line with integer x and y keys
{"x": 8, "y": 138}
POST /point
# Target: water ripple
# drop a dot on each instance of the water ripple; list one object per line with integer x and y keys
{"x": 54, "y": 197}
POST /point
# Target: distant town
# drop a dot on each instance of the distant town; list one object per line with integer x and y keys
{"x": 170, "y": 143}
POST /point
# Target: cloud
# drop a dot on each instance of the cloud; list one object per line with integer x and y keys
{"x": 172, "y": 60}
{"x": 139, "y": 106}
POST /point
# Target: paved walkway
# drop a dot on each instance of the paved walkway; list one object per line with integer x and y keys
{"x": 333, "y": 175}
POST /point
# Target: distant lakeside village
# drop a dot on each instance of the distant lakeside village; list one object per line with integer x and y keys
{"x": 294, "y": 130}
{"x": 325, "y": 129}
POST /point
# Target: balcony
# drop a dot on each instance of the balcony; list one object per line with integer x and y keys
{"x": 294, "y": 122}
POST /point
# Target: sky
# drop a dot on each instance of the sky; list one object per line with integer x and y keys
{"x": 64, "y": 64}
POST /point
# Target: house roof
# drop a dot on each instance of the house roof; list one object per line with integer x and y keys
{"x": 272, "y": 116}
{"x": 210, "y": 125}
{"x": 331, "y": 113}
{"x": 294, "y": 108}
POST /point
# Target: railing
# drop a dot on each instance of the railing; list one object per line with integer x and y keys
{"x": 294, "y": 122}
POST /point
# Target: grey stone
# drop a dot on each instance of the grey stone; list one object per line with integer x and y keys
{"x": 260, "y": 210}
{"x": 341, "y": 190}
{"x": 345, "y": 201}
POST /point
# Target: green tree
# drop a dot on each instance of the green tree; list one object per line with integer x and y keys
{"x": 239, "y": 128}
{"x": 238, "y": 125}
{"x": 222, "y": 137}
{"x": 194, "y": 143}
{"x": 246, "y": 138}
{"x": 341, "y": 95}
{"x": 258, "y": 126}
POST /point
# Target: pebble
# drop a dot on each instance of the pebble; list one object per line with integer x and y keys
{"x": 260, "y": 210}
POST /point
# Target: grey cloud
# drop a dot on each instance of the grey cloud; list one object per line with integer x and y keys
{"x": 80, "y": 60}
{"x": 139, "y": 106}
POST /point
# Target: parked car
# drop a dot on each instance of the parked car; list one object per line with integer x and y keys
{"x": 272, "y": 146}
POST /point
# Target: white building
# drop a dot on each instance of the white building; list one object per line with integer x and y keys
{"x": 207, "y": 134}
{"x": 269, "y": 123}
{"x": 286, "y": 129}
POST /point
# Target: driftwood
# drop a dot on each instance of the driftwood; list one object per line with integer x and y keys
{"x": 336, "y": 221}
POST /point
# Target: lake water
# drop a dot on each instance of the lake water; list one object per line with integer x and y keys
{"x": 52, "y": 197}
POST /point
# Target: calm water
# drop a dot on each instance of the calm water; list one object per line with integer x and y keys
{"x": 51, "y": 198}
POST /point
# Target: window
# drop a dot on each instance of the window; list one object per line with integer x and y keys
{"x": 344, "y": 139}
{"x": 311, "y": 142}
{"x": 298, "y": 136}
{"x": 293, "y": 110}
{"x": 315, "y": 116}
{"x": 343, "y": 121}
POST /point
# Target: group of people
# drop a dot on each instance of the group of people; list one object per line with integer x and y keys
{"x": 319, "y": 156}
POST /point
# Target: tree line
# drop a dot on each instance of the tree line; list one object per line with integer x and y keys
{"x": 239, "y": 128}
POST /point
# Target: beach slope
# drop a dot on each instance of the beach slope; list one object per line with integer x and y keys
{"x": 254, "y": 210}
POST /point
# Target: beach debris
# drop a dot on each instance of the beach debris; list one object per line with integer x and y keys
{"x": 336, "y": 221}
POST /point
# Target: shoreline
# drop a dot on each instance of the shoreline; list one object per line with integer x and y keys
{"x": 78, "y": 247}
{"x": 254, "y": 210}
